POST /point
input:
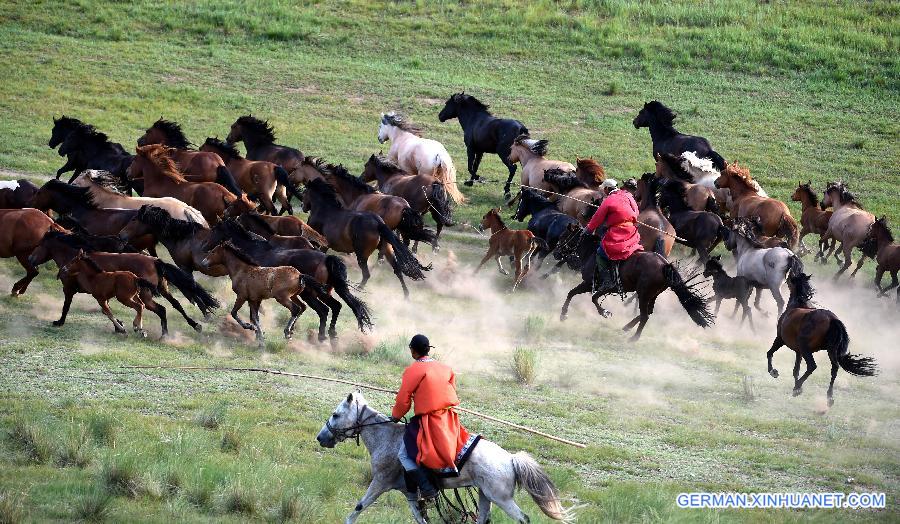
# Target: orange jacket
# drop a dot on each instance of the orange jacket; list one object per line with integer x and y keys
{"x": 431, "y": 383}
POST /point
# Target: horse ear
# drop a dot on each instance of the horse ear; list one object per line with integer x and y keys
{"x": 350, "y": 397}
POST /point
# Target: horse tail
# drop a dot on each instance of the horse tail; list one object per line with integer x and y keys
{"x": 282, "y": 177}
{"x": 717, "y": 160}
{"x": 837, "y": 341}
{"x": 795, "y": 266}
{"x": 445, "y": 171}
{"x": 692, "y": 300}
{"x": 412, "y": 227}
{"x": 149, "y": 286}
{"x": 407, "y": 262}
{"x": 788, "y": 229}
{"x": 441, "y": 204}
{"x": 337, "y": 279}
{"x": 530, "y": 476}
{"x": 226, "y": 179}
{"x": 184, "y": 282}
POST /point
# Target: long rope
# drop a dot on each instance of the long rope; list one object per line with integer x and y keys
{"x": 359, "y": 385}
{"x": 595, "y": 205}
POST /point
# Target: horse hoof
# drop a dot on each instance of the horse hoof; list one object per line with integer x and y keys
{"x": 774, "y": 373}
{"x": 141, "y": 333}
{"x": 198, "y": 328}
{"x": 562, "y": 318}
{"x": 634, "y": 338}
{"x": 606, "y": 314}
{"x": 468, "y": 183}
{"x": 830, "y": 401}
{"x": 57, "y": 323}
{"x": 797, "y": 392}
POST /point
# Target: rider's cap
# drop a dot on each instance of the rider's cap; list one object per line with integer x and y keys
{"x": 609, "y": 182}
{"x": 420, "y": 344}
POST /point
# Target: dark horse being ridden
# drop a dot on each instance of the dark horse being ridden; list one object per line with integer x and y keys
{"x": 667, "y": 139}
{"x": 547, "y": 222}
{"x": 647, "y": 273}
{"x": 87, "y": 148}
{"x": 483, "y": 133}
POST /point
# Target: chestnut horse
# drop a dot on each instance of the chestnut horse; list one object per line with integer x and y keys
{"x": 517, "y": 244}
{"x": 260, "y": 179}
{"x": 698, "y": 197}
{"x": 775, "y": 214}
{"x": 21, "y": 231}
{"x": 530, "y": 153}
{"x": 161, "y": 177}
{"x": 807, "y": 329}
{"x": 196, "y": 166}
{"x": 850, "y": 224}
{"x": 590, "y": 172}
{"x": 812, "y": 219}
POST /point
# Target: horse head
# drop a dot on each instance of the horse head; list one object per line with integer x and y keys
{"x": 345, "y": 421}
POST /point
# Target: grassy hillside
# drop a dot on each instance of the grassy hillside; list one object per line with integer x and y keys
{"x": 796, "y": 90}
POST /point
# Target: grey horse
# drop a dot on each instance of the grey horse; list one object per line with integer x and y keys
{"x": 493, "y": 470}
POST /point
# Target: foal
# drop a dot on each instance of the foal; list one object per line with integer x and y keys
{"x": 886, "y": 254}
{"x": 252, "y": 283}
{"x": 813, "y": 219}
{"x": 725, "y": 286}
{"x": 124, "y": 286}
{"x": 517, "y": 244}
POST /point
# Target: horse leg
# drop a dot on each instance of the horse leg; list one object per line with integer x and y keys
{"x": 848, "y": 252}
{"x": 157, "y": 309}
{"x": 135, "y": 303}
{"x": 779, "y": 300}
{"x": 879, "y": 274}
{"x": 803, "y": 249}
{"x": 595, "y": 298}
{"x": 737, "y": 304}
{"x": 584, "y": 287}
{"x": 500, "y": 266}
{"x": 164, "y": 291}
{"x": 392, "y": 260}
{"x": 504, "y": 157}
{"x": 104, "y": 307}
{"x": 890, "y": 286}
{"x": 254, "y": 318}
{"x": 68, "y": 292}
{"x": 858, "y": 265}
{"x": 520, "y": 271}
{"x": 810, "y": 367}
{"x": 238, "y": 304}
{"x": 484, "y": 508}
{"x": 364, "y": 267}
{"x": 30, "y": 272}
{"x": 376, "y": 488}
{"x": 759, "y": 290}
{"x": 472, "y": 161}
{"x": 509, "y": 506}
{"x": 335, "y": 306}
{"x": 487, "y": 256}
{"x": 646, "y": 309}
{"x": 321, "y": 308}
{"x": 296, "y": 309}
{"x": 776, "y": 345}
{"x": 834, "y": 370}
{"x": 414, "y": 509}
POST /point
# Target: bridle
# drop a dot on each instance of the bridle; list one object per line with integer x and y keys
{"x": 354, "y": 431}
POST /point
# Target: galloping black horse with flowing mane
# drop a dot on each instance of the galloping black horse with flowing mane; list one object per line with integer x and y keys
{"x": 667, "y": 139}
{"x": 547, "y": 223}
{"x": 87, "y": 148}
{"x": 483, "y": 133}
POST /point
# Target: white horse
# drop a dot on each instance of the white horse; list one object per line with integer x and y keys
{"x": 417, "y": 155}
{"x": 765, "y": 267}
{"x": 705, "y": 174}
{"x": 494, "y": 471}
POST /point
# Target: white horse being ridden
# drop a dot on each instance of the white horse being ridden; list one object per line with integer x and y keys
{"x": 417, "y": 155}
{"x": 765, "y": 267}
{"x": 494, "y": 471}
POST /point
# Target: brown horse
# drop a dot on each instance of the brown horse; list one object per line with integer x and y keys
{"x": 517, "y": 244}
{"x": 290, "y": 226}
{"x": 21, "y": 231}
{"x": 648, "y": 203}
{"x": 359, "y": 196}
{"x": 423, "y": 193}
{"x": 850, "y": 224}
{"x": 259, "y": 137}
{"x": 124, "y": 286}
{"x": 698, "y": 196}
{"x": 886, "y": 254}
{"x": 254, "y": 223}
{"x": 813, "y": 219}
{"x": 807, "y": 329}
{"x": 161, "y": 177}
{"x": 578, "y": 199}
{"x": 253, "y": 284}
{"x": 756, "y": 226}
{"x": 775, "y": 214}
{"x": 196, "y": 166}
{"x": 16, "y": 194}
{"x": 530, "y": 153}
{"x": 260, "y": 179}
{"x": 358, "y": 232}
{"x": 590, "y": 172}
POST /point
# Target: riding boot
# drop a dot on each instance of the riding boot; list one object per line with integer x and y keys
{"x": 604, "y": 276}
{"x": 426, "y": 488}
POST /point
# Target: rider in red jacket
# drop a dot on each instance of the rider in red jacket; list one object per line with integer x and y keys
{"x": 620, "y": 237}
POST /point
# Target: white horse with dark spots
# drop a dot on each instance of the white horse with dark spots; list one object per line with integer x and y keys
{"x": 495, "y": 472}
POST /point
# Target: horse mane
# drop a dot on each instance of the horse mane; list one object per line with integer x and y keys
{"x": 261, "y": 128}
{"x": 538, "y": 147}
{"x": 847, "y": 198}
{"x": 653, "y": 186}
{"x": 383, "y": 163}
{"x": 68, "y": 121}
{"x": 714, "y": 265}
{"x": 103, "y": 181}
{"x": 240, "y": 253}
{"x": 75, "y": 240}
{"x": 165, "y": 224}
{"x": 326, "y": 192}
{"x": 337, "y": 171}
{"x": 565, "y": 181}
{"x": 678, "y": 189}
{"x": 174, "y": 134}
{"x": 158, "y": 154}
{"x": 802, "y": 291}
{"x": 676, "y": 168}
{"x": 663, "y": 114}
{"x": 740, "y": 173}
{"x": 88, "y": 134}
{"x": 91, "y": 263}
{"x": 695, "y": 165}
{"x": 257, "y": 219}
{"x": 812, "y": 194}
{"x": 882, "y": 225}
{"x": 471, "y": 102}
{"x": 744, "y": 228}
{"x": 230, "y": 150}
{"x": 236, "y": 229}
{"x": 81, "y": 195}
{"x": 399, "y": 120}
{"x": 590, "y": 169}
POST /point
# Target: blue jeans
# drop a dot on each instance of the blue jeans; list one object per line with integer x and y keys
{"x": 408, "y": 463}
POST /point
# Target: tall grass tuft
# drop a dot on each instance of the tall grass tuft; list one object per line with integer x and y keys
{"x": 231, "y": 441}
{"x": 294, "y": 507}
{"x": 524, "y": 365}
{"x": 394, "y": 351}
{"x": 103, "y": 429}
{"x": 535, "y": 327}
{"x": 237, "y": 499}
{"x": 171, "y": 483}
{"x": 75, "y": 450}
{"x": 31, "y": 439}
{"x": 199, "y": 496}
{"x": 211, "y": 417}
{"x": 12, "y": 510}
{"x": 91, "y": 504}
{"x": 120, "y": 477}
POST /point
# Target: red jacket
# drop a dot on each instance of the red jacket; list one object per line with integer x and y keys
{"x": 619, "y": 212}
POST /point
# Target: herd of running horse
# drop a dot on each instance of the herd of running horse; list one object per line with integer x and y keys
{"x": 214, "y": 210}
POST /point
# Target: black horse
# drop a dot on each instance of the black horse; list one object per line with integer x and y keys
{"x": 62, "y": 126}
{"x": 667, "y": 139}
{"x": 547, "y": 222}
{"x": 483, "y": 133}
{"x": 727, "y": 286}
{"x": 701, "y": 230}
{"x": 87, "y": 148}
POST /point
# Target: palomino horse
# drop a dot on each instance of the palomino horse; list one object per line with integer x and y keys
{"x": 493, "y": 470}
{"x": 765, "y": 267}
{"x": 87, "y": 148}
{"x": 359, "y": 196}
{"x": 358, "y": 232}
{"x": 196, "y": 166}
{"x": 775, "y": 214}
{"x": 651, "y": 214}
{"x": 124, "y": 286}
{"x": 417, "y": 155}
{"x": 101, "y": 187}
{"x": 667, "y": 139}
{"x": 16, "y": 194}
{"x": 252, "y": 284}
{"x": 423, "y": 193}
{"x": 260, "y": 179}
{"x": 701, "y": 230}
{"x": 813, "y": 219}
{"x": 580, "y": 197}
{"x": 807, "y": 329}
{"x": 483, "y": 133}
{"x": 850, "y": 223}
{"x": 530, "y": 153}
{"x": 648, "y": 274}
{"x": 517, "y": 244}
{"x": 887, "y": 255}
{"x": 21, "y": 231}
{"x": 161, "y": 178}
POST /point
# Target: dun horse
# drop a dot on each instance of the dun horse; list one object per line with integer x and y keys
{"x": 812, "y": 219}
{"x": 483, "y": 133}
{"x": 21, "y": 231}
{"x": 517, "y": 244}
{"x": 530, "y": 153}
{"x": 850, "y": 224}
{"x": 667, "y": 139}
{"x": 807, "y": 329}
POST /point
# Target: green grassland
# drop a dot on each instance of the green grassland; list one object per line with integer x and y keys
{"x": 795, "y": 90}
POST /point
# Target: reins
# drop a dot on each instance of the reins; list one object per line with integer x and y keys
{"x": 354, "y": 431}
